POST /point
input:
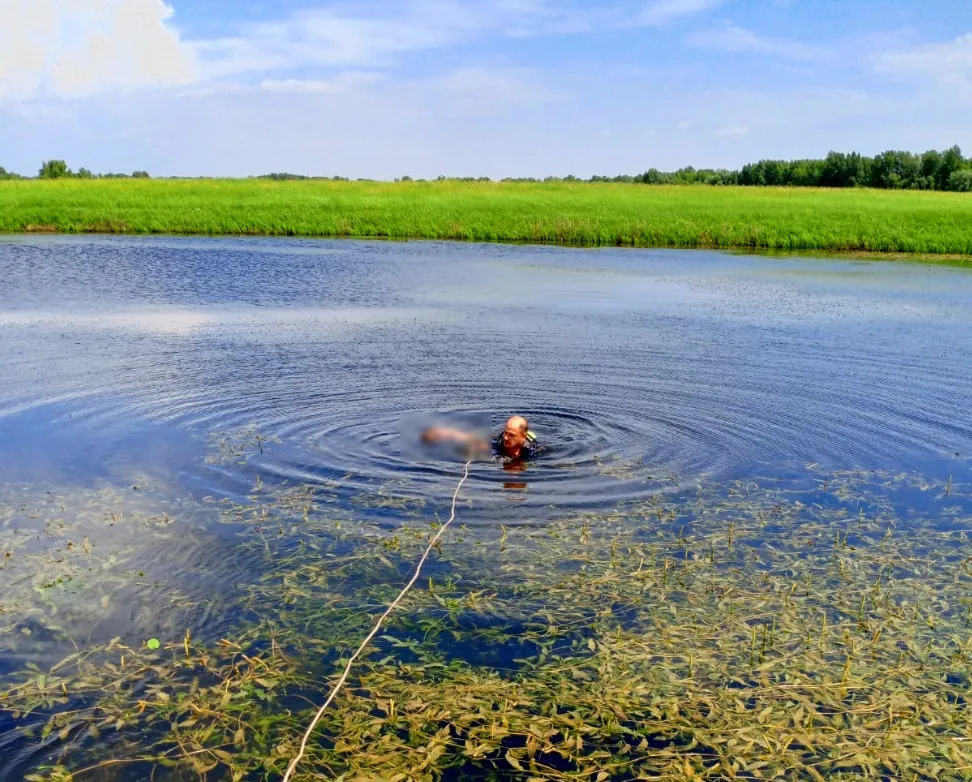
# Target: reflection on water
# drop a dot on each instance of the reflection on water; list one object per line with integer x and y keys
{"x": 155, "y": 393}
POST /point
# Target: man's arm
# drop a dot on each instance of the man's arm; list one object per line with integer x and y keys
{"x": 443, "y": 434}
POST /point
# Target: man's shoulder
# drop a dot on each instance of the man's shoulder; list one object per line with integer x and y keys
{"x": 535, "y": 446}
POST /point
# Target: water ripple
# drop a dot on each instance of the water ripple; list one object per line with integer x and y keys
{"x": 640, "y": 370}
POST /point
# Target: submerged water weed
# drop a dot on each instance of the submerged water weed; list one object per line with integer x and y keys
{"x": 73, "y": 560}
{"x": 238, "y": 446}
{"x": 634, "y": 468}
{"x": 735, "y": 631}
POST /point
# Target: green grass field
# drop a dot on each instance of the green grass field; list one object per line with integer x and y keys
{"x": 574, "y": 214}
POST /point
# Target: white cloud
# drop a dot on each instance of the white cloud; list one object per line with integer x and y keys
{"x": 733, "y": 131}
{"x": 375, "y": 34}
{"x": 427, "y": 127}
{"x": 478, "y": 91}
{"x": 342, "y": 84}
{"x": 949, "y": 62}
{"x": 330, "y": 38}
{"x": 71, "y": 48}
{"x": 731, "y": 38}
{"x": 663, "y": 12}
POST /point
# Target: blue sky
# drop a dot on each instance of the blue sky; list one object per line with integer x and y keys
{"x": 385, "y": 88}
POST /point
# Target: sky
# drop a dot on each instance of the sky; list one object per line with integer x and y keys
{"x": 387, "y": 88}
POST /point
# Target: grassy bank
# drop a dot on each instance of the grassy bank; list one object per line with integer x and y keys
{"x": 573, "y": 214}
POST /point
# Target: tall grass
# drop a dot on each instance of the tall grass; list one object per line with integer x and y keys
{"x": 572, "y": 214}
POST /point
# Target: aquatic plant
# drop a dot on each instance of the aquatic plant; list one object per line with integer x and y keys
{"x": 818, "y": 630}
{"x": 557, "y": 212}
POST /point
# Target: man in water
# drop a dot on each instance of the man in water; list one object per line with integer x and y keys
{"x": 515, "y": 443}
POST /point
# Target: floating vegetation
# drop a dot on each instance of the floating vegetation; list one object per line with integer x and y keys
{"x": 632, "y": 468}
{"x": 238, "y": 446}
{"x": 751, "y": 631}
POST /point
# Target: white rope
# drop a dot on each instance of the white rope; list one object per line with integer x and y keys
{"x": 347, "y": 669}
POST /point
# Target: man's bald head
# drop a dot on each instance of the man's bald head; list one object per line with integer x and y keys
{"x": 514, "y": 435}
{"x": 518, "y": 424}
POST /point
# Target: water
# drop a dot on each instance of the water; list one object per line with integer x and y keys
{"x": 119, "y": 355}
{"x": 183, "y": 370}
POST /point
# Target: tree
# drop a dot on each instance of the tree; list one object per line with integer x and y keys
{"x": 841, "y": 170}
{"x": 775, "y": 172}
{"x": 54, "y": 169}
{"x": 895, "y": 169}
{"x": 752, "y": 174}
{"x": 961, "y": 181}
{"x": 281, "y": 176}
{"x": 685, "y": 176}
{"x": 952, "y": 161}
{"x": 655, "y": 177}
{"x": 806, "y": 173}
{"x": 83, "y": 173}
{"x": 140, "y": 175}
{"x": 931, "y": 162}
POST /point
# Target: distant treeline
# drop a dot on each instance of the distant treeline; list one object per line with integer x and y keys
{"x": 891, "y": 170}
{"x": 283, "y": 177}
{"x": 58, "y": 169}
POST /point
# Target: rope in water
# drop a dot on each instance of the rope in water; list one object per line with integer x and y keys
{"x": 394, "y": 604}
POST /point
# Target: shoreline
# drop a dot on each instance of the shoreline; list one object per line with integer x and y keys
{"x": 957, "y": 260}
{"x": 856, "y": 223}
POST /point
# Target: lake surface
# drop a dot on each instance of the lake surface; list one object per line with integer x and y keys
{"x": 187, "y": 369}
{"x": 122, "y": 355}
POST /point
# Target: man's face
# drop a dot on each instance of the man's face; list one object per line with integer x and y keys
{"x": 513, "y": 437}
